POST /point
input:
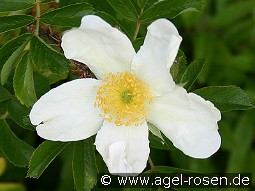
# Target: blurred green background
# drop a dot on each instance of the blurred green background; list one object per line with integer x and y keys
{"x": 224, "y": 34}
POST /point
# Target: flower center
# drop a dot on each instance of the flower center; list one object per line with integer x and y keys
{"x": 126, "y": 96}
{"x": 123, "y": 98}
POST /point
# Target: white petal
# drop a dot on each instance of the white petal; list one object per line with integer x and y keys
{"x": 156, "y": 56}
{"x": 188, "y": 121}
{"x": 67, "y": 113}
{"x": 100, "y": 46}
{"x": 125, "y": 149}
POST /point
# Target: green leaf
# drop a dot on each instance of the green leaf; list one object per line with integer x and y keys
{"x": 67, "y": 16}
{"x": 46, "y": 1}
{"x": 84, "y": 165}
{"x": 137, "y": 43}
{"x": 16, "y": 151}
{"x": 192, "y": 72}
{"x": 155, "y": 131}
{"x": 142, "y": 3}
{"x": 125, "y": 8}
{"x": 19, "y": 113}
{"x": 156, "y": 142}
{"x": 41, "y": 85}
{"x": 9, "y": 64}
{"x": 231, "y": 13}
{"x": 179, "y": 66}
{"x": 159, "y": 140}
{"x": 16, "y": 21}
{"x": 4, "y": 94}
{"x": 23, "y": 82}
{"x": 15, "y": 5}
{"x": 11, "y": 46}
{"x": 63, "y": 3}
{"x": 3, "y": 110}
{"x": 244, "y": 137}
{"x": 43, "y": 156}
{"x": 47, "y": 61}
{"x": 170, "y": 9}
{"x": 226, "y": 98}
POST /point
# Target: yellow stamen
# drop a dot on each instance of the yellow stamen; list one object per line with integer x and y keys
{"x": 123, "y": 97}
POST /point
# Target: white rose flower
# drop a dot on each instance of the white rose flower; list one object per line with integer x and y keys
{"x": 131, "y": 89}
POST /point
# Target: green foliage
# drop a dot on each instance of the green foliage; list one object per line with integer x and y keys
{"x": 241, "y": 147}
{"x": 84, "y": 165}
{"x": 230, "y": 14}
{"x": 23, "y": 81}
{"x": 10, "y": 47}
{"x": 46, "y": 61}
{"x": 191, "y": 73}
{"x": 67, "y": 16}
{"x": 226, "y": 98}
{"x": 14, "y": 149}
{"x": 8, "y": 23}
{"x": 18, "y": 49}
{"x": 4, "y": 94}
{"x": 170, "y": 9}
{"x": 179, "y": 66}
{"x": 125, "y": 8}
{"x": 19, "y": 114}
{"x": 32, "y": 63}
{"x": 15, "y": 5}
{"x": 43, "y": 156}
{"x": 159, "y": 140}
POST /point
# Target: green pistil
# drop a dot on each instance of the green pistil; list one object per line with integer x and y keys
{"x": 126, "y": 96}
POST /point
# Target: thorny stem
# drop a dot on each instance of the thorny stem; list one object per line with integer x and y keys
{"x": 151, "y": 164}
{"x": 38, "y": 14}
{"x": 138, "y": 24}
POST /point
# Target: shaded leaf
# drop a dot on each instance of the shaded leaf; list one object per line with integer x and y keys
{"x": 3, "y": 110}
{"x": 19, "y": 113}
{"x": 43, "y": 156}
{"x": 11, "y": 46}
{"x": 4, "y": 94}
{"x": 84, "y": 165}
{"x": 155, "y": 131}
{"x": 226, "y": 98}
{"x": 142, "y": 3}
{"x": 16, "y": 150}
{"x": 232, "y": 13}
{"x": 16, "y": 21}
{"x": 41, "y": 85}
{"x": 63, "y": 3}
{"x": 170, "y": 9}
{"x": 23, "y": 82}
{"x": 67, "y": 16}
{"x": 179, "y": 66}
{"x": 14, "y": 57}
{"x": 192, "y": 72}
{"x": 124, "y": 8}
{"x": 138, "y": 43}
{"x": 47, "y": 61}
{"x": 45, "y": 1}
{"x": 15, "y": 5}
{"x": 243, "y": 136}
{"x": 158, "y": 140}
